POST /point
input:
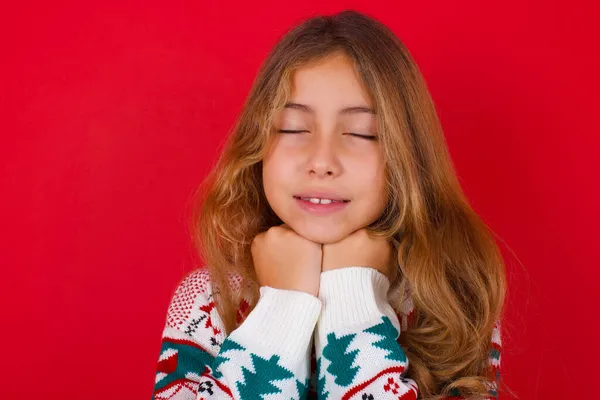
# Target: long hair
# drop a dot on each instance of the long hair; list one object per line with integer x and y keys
{"x": 446, "y": 253}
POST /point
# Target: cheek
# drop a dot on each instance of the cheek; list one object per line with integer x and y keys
{"x": 276, "y": 173}
{"x": 370, "y": 181}
{"x": 270, "y": 180}
{"x": 379, "y": 194}
{"x": 369, "y": 173}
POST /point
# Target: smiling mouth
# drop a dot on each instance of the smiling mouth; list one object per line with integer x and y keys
{"x": 318, "y": 200}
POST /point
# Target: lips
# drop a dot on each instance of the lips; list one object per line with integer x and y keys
{"x": 322, "y": 195}
{"x": 321, "y": 206}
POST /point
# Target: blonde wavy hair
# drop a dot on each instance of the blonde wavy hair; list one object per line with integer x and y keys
{"x": 446, "y": 253}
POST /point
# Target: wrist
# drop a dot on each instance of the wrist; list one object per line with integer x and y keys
{"x": 353, "y": 297}
{"x": 282, "y": 322}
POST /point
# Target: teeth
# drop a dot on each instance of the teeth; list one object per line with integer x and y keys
{"x": 315, "y": 200}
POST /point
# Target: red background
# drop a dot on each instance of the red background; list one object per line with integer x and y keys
{"x": 112, "y": 114}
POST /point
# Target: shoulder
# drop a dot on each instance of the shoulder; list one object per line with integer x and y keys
{"x": 195, "y": 284}
{"x": 192, "y": 315}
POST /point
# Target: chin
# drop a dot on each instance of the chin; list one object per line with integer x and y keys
{"x": 321, "y": 234}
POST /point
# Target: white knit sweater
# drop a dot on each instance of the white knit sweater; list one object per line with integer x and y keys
{"x": 350, "y": 333}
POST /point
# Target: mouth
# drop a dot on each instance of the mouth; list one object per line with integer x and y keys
{"x": 321, "y": 205}
{"x": 321, "y": 200}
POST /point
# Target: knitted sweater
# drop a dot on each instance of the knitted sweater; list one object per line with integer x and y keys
{"x": 292, "y": 345}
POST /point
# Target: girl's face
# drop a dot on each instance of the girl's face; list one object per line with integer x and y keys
{"x": 324, "y": 174}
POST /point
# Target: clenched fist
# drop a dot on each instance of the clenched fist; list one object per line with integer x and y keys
{"x": 285, "y": 260}
{"x": 358, "y": 249}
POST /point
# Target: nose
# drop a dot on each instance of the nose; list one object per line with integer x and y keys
{"x": 323, "y": 159}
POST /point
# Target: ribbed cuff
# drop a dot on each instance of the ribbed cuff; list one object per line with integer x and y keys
{"x": 282, "y": 322}
{"x": 353, "y": 296}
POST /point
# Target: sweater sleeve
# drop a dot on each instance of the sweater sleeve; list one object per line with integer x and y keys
{"x": 358, "y": 356}
{"x": 268, "y": 354}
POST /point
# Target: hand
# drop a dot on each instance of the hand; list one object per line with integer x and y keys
{"x": 285, "y": 260}
{"x": 359, "y": 249}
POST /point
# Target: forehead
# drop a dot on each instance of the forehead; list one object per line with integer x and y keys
{"x": 329, "y": 84}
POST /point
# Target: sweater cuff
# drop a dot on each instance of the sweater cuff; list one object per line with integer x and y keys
{"x": 353, "y": 297}
{"x": 282, "y": 322}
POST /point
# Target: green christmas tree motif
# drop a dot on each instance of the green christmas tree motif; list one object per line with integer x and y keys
{"x": 227, "y": 345}
{"x": 341, "y": 362}
{"x": 302, "y": 389}
{"x": 388, "y": 333}
{"x": 495, "y": 353}
{"x": 321, "y": 382}
{"x": 189, "y": 359}
{"x": 256, "y": 384}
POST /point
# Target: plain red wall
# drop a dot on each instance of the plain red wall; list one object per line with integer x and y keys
{"x": 112, "y": 115}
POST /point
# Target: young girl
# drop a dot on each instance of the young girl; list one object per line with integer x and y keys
{"x": 334, "y": 211}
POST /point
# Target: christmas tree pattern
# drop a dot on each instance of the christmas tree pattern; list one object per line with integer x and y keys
{"x": 302, "y": 389}
{"x": 187, "y": 369}
{"x": 341, "y": 361}
{"x": 179, "y": 359}
{"x": 228, "y": 345}
{"x": 388, "y": 333}
{"x": 259, "y": 383}
{"x": 322, "y": 394}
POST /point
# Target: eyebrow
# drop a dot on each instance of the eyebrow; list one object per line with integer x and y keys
{"x": 343, "y": 111}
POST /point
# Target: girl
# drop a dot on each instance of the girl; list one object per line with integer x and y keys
{"x": 334, "y": 211}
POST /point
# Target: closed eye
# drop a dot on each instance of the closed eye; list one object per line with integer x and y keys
{"x": 368, "y": 137}
{"x": 290, "y": 131}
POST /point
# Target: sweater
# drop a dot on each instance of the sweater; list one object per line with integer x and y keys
{"x": 342, "y": 344}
